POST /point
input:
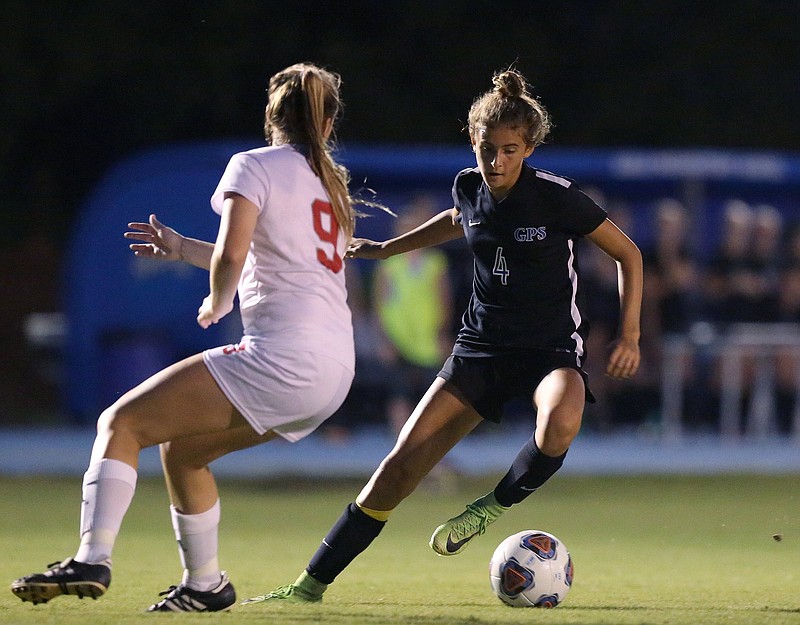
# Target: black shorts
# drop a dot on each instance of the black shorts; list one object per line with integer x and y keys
{"x": 487, "y": 382}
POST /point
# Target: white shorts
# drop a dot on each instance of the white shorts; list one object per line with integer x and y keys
{"x": 288, "y": 391}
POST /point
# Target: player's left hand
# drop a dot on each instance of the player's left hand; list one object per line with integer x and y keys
{"x": 207, "y": 314}
{"x": 623, "y": 359}
{"x": 364, "y": 248}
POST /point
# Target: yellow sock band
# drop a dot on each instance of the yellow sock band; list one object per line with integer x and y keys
{"x": 378, "y": 515}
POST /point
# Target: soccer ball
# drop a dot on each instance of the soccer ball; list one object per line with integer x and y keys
{"x": 531, "y": 569}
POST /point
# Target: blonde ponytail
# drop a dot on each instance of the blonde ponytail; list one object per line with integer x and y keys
{"x": 335, "y": 178}
{"x": 302, "y": 100}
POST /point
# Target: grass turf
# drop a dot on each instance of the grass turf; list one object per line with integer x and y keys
{"x": 647, "y": 550}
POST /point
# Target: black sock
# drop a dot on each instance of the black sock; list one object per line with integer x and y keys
{"x": 352, "y": 533}
{"x": 530, "y": 469}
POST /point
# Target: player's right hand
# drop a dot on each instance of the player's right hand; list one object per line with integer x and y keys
{"x": 208, "y": 314}
{"x": 624, "y": 357}
{"x": 158, "y": 241}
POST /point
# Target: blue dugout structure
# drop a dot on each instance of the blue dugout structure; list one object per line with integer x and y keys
{"x": 128, "y": 317}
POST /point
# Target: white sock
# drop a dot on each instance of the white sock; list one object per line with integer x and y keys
{"x": 197, "y": 536}
{"x": 108, "y": 488}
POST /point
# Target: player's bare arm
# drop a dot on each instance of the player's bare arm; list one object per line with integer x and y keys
{"x": 624, "y": 356}
{"x": 164, "y": 243}
{"x": 438, "y": 229}
{"x": 239, "y": 216}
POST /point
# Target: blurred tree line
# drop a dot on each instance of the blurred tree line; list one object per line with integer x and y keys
{"x": 87, "y": 83}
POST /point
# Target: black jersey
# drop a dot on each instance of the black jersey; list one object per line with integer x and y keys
{"x": 526, "y": 293}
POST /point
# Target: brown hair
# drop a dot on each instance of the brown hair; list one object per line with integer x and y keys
{"x": 511, "y": 104}
{"x": 301, "y": 100}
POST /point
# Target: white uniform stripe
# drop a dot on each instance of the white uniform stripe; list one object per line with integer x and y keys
{"x": 553, "y": 178}
{"x": 574, "y": 312}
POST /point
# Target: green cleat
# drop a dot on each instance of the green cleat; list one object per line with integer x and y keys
{"x": 288, "y": 594}
{"x": 453, "y": 537}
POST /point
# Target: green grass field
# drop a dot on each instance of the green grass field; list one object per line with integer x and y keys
{"x": 677, "y": 550}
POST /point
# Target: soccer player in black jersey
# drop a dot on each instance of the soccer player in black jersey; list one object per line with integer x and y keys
{"x": 523, "y": 333}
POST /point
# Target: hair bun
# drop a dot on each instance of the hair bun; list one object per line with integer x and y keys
{"x": 509, "y": 84}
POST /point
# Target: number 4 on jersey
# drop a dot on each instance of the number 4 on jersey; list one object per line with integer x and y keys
{"x": 500, "y": 266}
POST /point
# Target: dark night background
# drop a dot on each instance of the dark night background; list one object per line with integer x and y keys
{"x": 85, "y": 84}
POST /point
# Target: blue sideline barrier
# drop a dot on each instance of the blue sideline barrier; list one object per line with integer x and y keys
{"x": 66, "y": 452}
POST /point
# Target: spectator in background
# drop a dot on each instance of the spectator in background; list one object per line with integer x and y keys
{"x": 788, "y": 292}
{"x": 728, "y": 281}
{"x": 413, "y": 303}
{"x": 738, "y": 286}
{"x": 729, "y": 260}
{"x": 791, "y": 254}
{"x": 368, "y": 398}
{"x": 675, "y": 268}
{"x": 672, "y": 278}
{"x": 789, "y": 295}
{"x": 743, "y": 287}
{"x": 787, "y": 376}
{"x": 767, "y": 252}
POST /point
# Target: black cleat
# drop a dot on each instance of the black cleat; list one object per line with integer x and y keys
{"x": 183, "y": 599}
{"x": 64, "y": 578}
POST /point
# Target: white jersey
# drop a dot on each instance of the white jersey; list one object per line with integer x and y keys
{"x": 292, "y": 292}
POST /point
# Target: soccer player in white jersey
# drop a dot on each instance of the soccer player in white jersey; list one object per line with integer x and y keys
{"x": 523, "y": 334}
{"x": 285, "y": 221}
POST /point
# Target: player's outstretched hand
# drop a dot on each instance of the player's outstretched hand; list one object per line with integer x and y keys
{"x": 364, "y": 248}
{"x": 157, "y": 240}
{"x": 623, "y": 359}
